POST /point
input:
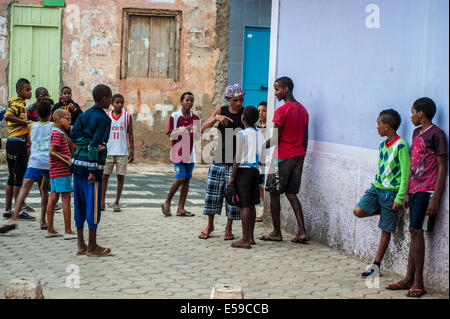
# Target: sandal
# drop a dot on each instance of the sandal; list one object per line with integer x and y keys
{"x": 416, "y": 293}
{"x": 186, "y": 214}
{"x": 298, "y": 240}
{"x": 397, "y": 286}
{"x": 117, "y": 209}
{"x": 228, "y": 236}
{"x": 258, "y": 219}
{"x": 268, "y": 238}
{"x": 106, "y": 252}
{"x": 204, "y": 235}
{"x": 165, "y": 212}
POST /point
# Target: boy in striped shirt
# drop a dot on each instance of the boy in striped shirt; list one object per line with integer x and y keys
{"x": 60, "y": 176}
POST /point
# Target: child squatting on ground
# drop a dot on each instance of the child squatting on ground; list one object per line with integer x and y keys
{"x": 426, "y": 183}
{"x": 38, "y": 164}
{"x": 120, "y": 137}
{"x": 90, "y": 133}
{"x": 385, "y": 197}
{"x": 183, "y": 129}
{"x": 60, "y": 175}
{"x": 245, "y": 176}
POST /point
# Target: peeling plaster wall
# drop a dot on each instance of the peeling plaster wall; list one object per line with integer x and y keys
{"x": 91, "y": 54}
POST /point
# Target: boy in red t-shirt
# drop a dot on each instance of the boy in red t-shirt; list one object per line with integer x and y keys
{"x": 285, "y": 174}
{"x": 182, "y": 129}
{"x": 60, "y": 176}
{"x": 426, "y": 183}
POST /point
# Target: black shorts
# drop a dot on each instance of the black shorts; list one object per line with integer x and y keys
{"x": 418, "y": 206}
{"x": 17, "y": 158}
{"x": 285, "y": 176}
{"x": 247, "y": 186}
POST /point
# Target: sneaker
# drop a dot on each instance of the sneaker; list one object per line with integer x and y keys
{"x": 28, "y": 208}
{"x": 24, "y": 216}
{"x": 7, "y": 214}
{"x": 372, "y": 270}
{"x": 50, "y": 235}
{"x": 70, "y": 236}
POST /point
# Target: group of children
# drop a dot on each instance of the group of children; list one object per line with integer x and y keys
{"x": 406, "y": 179}
{"x": 64, "y": 142}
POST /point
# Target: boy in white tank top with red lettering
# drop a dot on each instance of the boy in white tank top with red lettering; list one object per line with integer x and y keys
{"x": 120, "y": 137}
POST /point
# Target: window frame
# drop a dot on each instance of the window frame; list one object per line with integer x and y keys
{"x": 127, "y": 12}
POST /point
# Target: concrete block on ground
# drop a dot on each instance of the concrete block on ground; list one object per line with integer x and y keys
{"x": 24, "y": 288}
{"x": 224, "y": 291}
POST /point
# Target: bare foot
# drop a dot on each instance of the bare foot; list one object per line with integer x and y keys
{"x": 81, "y": 249}
{"x": 241, "y": 244}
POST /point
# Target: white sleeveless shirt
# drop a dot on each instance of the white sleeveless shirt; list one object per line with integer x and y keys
{"x": 117, "y": 143}
{"x": 40, "y": 144}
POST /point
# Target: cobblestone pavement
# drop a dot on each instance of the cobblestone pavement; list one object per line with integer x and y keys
{"x": 162, "y": 257}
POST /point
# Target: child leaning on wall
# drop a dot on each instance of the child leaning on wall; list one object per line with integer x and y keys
{"x": 385, "y": 197}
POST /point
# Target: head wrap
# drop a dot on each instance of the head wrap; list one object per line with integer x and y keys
{"x": 234, "y": 90}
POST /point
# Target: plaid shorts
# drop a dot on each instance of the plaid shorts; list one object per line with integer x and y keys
{"x": 218, "y": 177}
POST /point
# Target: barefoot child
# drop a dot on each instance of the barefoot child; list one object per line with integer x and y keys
{"x": 90, "y": 133}
{"x": 181, "y": 130}
{"x": 385, "y": 197}
{"x": 60, "y": 176}
{"x": 121, "y": 127}
{"x": 38, "y": 164}
{"x": 245, "y": 174}
{"x": 427, "y": 181}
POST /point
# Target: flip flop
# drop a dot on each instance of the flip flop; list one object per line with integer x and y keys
{"x": 204, "y": 235}
{"x": 7, "y": 228}
{"x": 105, "y": 253}
{"x": 240, "y": 246}
{"x": 166, "y": 213}
{"x": 411, "y": 292}
{"x": 258, "y": 220}
{"x": 268, "y": 238}
{"x": 186, "y": 214}
{"x": 397, "y": 286}
{"x": 228, "y": 236}
{"x": 117, "y": 209}
{"x": 300, "y": 240}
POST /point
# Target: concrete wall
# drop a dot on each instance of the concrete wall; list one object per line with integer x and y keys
{"x": 91, "y": 54}
{"x": 347, "y": 66}
{"x": 254, "y": 13}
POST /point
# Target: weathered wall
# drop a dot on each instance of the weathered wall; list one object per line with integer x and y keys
{"x": 91, "y": 54}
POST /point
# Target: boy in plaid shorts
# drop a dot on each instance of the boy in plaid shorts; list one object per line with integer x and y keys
{"x": 229, "y": 118}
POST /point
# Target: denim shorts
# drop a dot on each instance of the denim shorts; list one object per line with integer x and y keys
{"x": 183, "y": 170}
{"x": 376, "y": 199}
{"x": 61, "y": 184}
{"x": 36, "y": 173}
{"x": 418, "y": 206}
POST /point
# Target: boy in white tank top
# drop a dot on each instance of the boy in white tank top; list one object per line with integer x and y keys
{"x": 120, "y": 136}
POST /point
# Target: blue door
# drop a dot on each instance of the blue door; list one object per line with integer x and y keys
{"x": 256, "y": 65}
